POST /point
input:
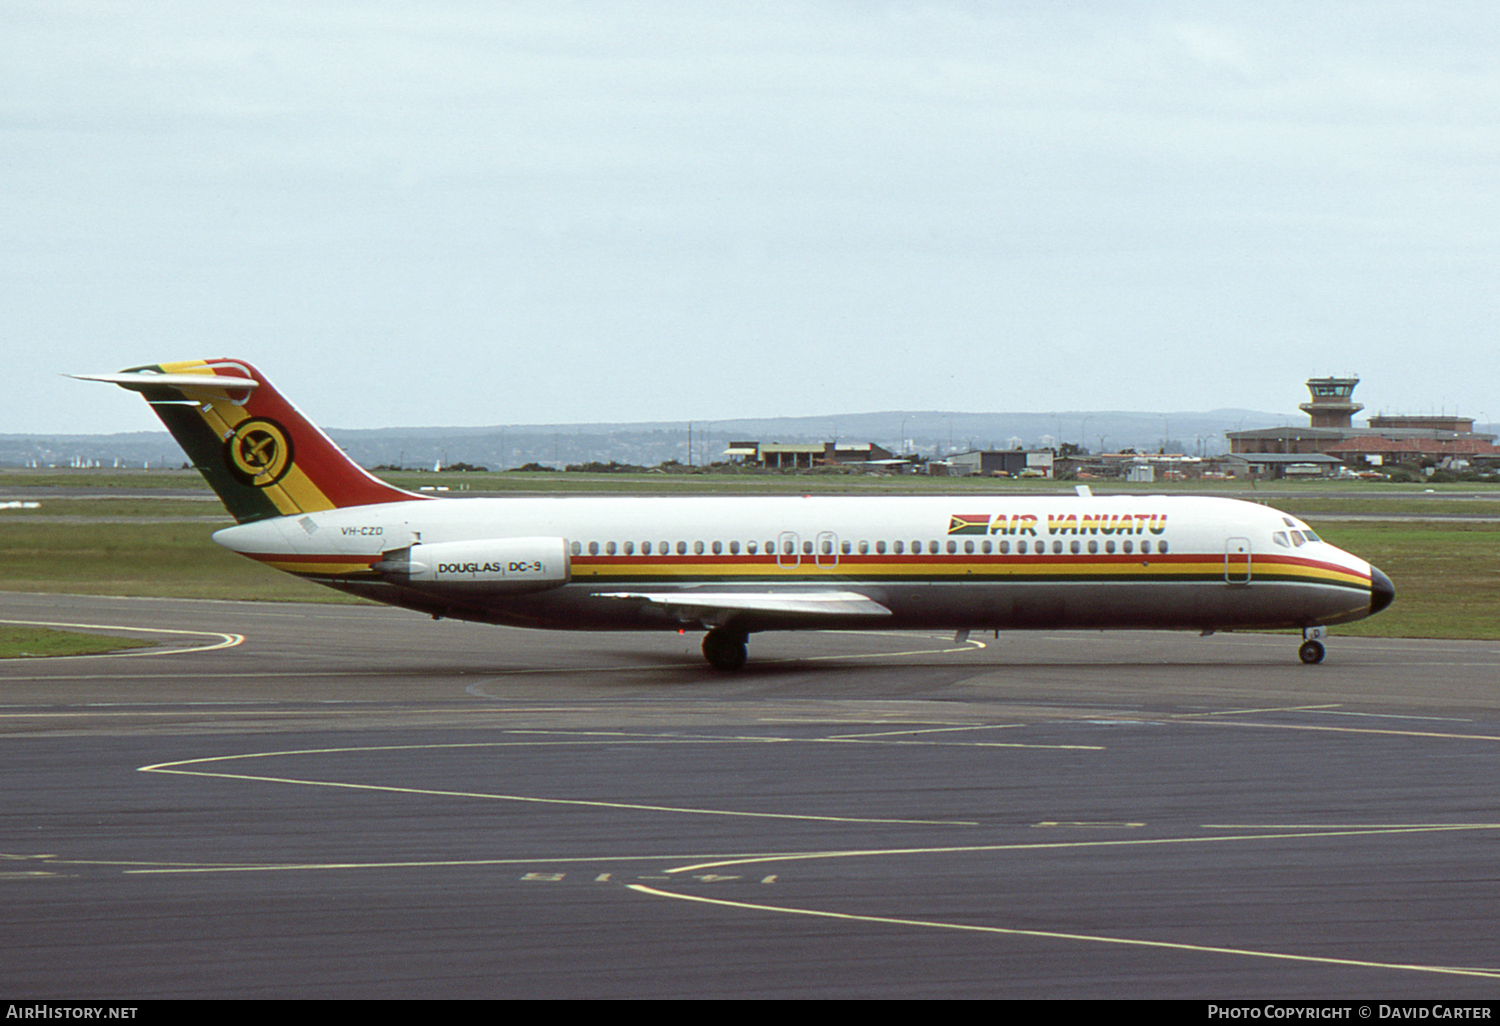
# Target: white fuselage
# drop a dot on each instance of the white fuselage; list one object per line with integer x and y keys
{"x": 954, "y": 562}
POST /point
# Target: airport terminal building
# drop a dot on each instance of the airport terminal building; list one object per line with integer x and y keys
{"x": 1331, "y": 438}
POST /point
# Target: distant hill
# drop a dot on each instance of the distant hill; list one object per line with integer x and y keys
{"x": 928, "y": 432}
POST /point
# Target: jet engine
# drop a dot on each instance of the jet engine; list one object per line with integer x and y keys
{"x": 489, "y": 564}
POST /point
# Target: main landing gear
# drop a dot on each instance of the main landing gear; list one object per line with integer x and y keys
{"x": 1311, "y": 651}
{"x": 725, "y": 649}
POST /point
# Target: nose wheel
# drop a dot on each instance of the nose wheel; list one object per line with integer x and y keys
{"x": 1311, "y": 650}
{"x": 725, "y": 649}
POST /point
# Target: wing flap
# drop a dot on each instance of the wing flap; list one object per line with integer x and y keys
{"x": 813, "y": 603}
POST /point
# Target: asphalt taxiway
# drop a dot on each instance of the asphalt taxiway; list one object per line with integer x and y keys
{"x": 332, "y": 801}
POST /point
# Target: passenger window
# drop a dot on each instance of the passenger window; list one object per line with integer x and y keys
{"x": 864, "y": 548}
{"x": 916, "y": 548}
{"x": 844, "y": 548}
{"x": 576, "y": 549}
{"x": 1127, "y": 547}
{"x": 827, "y": 547}
{"x": 968, "y": 548}
{"x": 807, "y": 549}
{"x": 665, "y": 549}
{"x": 985, "y": 545}
{"x": 898, "y": 548}
{"x": 593, "y": 548}
{"x": 788, "y": 548}
{"x": 1109, "y": 546}
{"x": 1077, "y": 547}
{"x": 1161, "y": 547}
{"x": 630, "y": 548}
{"x": 734, "y": 548}
{"x": 880, "y": 548}
{"x": 697, "y": 548}
{"x": 750, "y": 547}
{"x": 1093, "y": 547}
{"x": 682, "y": 548}
{"x": 609, "y": 548}
{"x": 718, "y": 548}
{"x": 953, "y": 547}
{"x": 1146, "y": 546}
{"x": 1020, "y": 547}
{"x": 1057, "y": 548}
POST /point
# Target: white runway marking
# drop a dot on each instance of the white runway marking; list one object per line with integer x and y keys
{"x": 1059, "y": 935}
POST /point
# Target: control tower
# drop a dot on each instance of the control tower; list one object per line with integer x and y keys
{"x": 1331, "y": 406}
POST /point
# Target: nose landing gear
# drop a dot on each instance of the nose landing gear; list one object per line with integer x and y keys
{"x": 1311, "y": 650}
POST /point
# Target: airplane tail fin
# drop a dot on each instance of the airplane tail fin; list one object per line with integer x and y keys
{"x": 262, "y": 456}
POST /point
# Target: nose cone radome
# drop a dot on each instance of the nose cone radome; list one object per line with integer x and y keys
{"x": 1382, "y": 591}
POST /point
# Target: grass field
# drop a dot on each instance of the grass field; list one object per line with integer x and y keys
{"x": 762, "y": 483}
{"x": 176, "y": 560}
{"x": 121, "y": 480}
{"x": 1312, "y": 506}
{"x": 159, "y": 509}
{"x": 21, "y": 642}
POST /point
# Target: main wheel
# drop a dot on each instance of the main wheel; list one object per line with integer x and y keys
{"x": 1311, "y": 652}
{"x": 725, "y": 650}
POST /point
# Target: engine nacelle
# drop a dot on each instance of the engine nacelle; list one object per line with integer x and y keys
{"x": 490, "y": 564}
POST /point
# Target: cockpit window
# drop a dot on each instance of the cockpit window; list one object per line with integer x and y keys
{"x": 1300, "y": 532}
{"x": 1280, "y": 539}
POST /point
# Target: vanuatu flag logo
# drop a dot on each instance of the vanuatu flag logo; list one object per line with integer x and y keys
{"x": 969, "y": 524}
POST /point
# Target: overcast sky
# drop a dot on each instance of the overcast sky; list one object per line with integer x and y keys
{"x": 472, "y": 213}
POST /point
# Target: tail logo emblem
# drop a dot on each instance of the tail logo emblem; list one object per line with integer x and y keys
{"x": 260, "y": 452}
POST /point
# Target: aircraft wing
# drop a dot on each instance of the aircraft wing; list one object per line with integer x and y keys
{"x": 816, "y": 603}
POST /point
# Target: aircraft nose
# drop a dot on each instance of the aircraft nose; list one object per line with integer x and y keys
{"x": 1382, "y": 591}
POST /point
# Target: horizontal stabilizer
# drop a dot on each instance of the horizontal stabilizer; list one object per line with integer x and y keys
{"x": 817, "y": 603}
{"x": 138, "y": 382}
